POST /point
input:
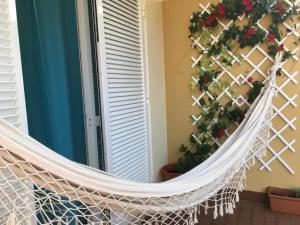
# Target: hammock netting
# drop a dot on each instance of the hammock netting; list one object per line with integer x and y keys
{"x": 38, "y": 186}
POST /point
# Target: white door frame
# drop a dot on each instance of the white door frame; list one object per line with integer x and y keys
{"x": 22, "y": 113}
{"x": 102, "y": 80}
{"x": 147, "y": 88}
{"x": 92, "y": 121}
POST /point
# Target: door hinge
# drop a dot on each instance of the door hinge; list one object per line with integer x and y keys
{"x": 143, "y": 11}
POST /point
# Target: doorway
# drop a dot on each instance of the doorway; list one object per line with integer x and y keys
{"x": 54, "y": 77}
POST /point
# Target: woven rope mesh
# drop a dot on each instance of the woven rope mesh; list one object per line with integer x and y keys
{"x": 30, "y": 195}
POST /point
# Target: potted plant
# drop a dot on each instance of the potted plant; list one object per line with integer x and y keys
{"x": 169, "y": 172}
{"x": 189, "y": 160}
{"x": 284, "y": 200}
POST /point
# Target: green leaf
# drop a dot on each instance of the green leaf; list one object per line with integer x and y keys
{"x": 226, "y": 84}
{"x": 225, "y": 54}
{"x": 205, "y": 38}
{"x": 240, "y": 57}
{"x": 193, "y": 84}
{"x": 202, "y": 102}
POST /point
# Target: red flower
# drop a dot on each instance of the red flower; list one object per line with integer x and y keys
{"x": 206, "y": 79}
{"x": 279, "y": 8}
{"x": 279, "y": 11}
{"x": 220, "y": 133}
{"x": 248, "y": 5}
{"x": 280, "y": 48}
{"x": 201, "y": 21}
{"x": 220, "y": 10}
{"x": 250, "y": 79}
{"x": 246, "y": 2}
{"x": 280, "y": 4}
{"x": 250, "y": 32}
{"x": 211, "y": 20}
{"x": 271, "y": 37}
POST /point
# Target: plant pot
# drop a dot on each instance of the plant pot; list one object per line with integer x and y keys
{"x": 283, "y": 201}
{"x": 166, "y": 172}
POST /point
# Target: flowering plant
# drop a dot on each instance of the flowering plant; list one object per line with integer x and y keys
{"x": 251, "y": 36}
{"x": 205, "y": 79}
{"x": 281, "y": 12}
{"x": 215, "y": 119}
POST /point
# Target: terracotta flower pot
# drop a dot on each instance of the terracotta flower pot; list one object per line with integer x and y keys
{"x": 166, "y": 172}
{"x": 283, "y": 201}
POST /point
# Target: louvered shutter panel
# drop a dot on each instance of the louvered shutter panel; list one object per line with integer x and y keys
{"x": 12, "y": 105}
{"x": 12, "y": 100}
{"x": 123, "y": 88}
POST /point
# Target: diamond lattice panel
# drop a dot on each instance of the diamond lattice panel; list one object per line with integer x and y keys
{"x": 257, "y": 63}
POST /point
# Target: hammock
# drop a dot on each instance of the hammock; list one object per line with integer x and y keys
{"x": 38, "y": 186}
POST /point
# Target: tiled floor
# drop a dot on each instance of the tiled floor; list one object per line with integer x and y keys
{"x": 251, "y": 213}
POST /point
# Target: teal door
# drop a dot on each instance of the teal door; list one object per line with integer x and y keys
{"x": 52, "y": 75}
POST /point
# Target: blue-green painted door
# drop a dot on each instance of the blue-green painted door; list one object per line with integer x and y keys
{"x": 52, "y": 78}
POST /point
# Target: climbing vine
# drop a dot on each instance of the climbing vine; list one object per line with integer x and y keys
{"x": 216, "y": 117}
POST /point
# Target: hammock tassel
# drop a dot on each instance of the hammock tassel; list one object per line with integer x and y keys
{"x": 241, "y": 186}
{"x": 230, "y": 209}
{"x": 244, "y": 175}
{"x": 253, "y": 160}
{"x": 195, "y": 218}
{"x": 216, "y": 211}
{"x": 226, "y": 208}
{"x": 189, "y": 221}
{"x": 265, "y": 152}
{"x": 237, "y": 197}
{"x": 206, "y": 207}
{"x": 221, "y": 210}
{"x": 233, "y": 205}
{"x": 199, "y": 210}
{"x": 260, "y": 153}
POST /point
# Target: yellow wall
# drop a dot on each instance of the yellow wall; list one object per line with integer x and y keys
{"x": 176, "y": 15}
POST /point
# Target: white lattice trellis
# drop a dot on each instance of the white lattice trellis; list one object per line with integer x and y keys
{"x": 242, "y": 79}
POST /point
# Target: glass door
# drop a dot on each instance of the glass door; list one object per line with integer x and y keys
{"x": 63, "y": 113}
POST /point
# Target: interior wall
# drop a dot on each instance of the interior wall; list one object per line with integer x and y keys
{"x": 178, "y": 52}
{"x": 156, "y": 81}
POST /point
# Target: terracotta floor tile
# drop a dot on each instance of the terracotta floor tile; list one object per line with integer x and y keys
{"x": 251, "y": 213}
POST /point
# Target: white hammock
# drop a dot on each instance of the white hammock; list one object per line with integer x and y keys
{"x": 38, "y": 186}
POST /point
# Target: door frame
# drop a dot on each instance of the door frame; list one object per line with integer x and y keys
{"x": 23, "y": 124}
{"x": 92, "y": 121}
{"x": 88, "y": 88}
{"x": 147, "y": 88}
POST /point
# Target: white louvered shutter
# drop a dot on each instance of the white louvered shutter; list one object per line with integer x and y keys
{"x": 12, "y": 100}
{"x": 12, "y": 103}
{"x": 123, "y": 88}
